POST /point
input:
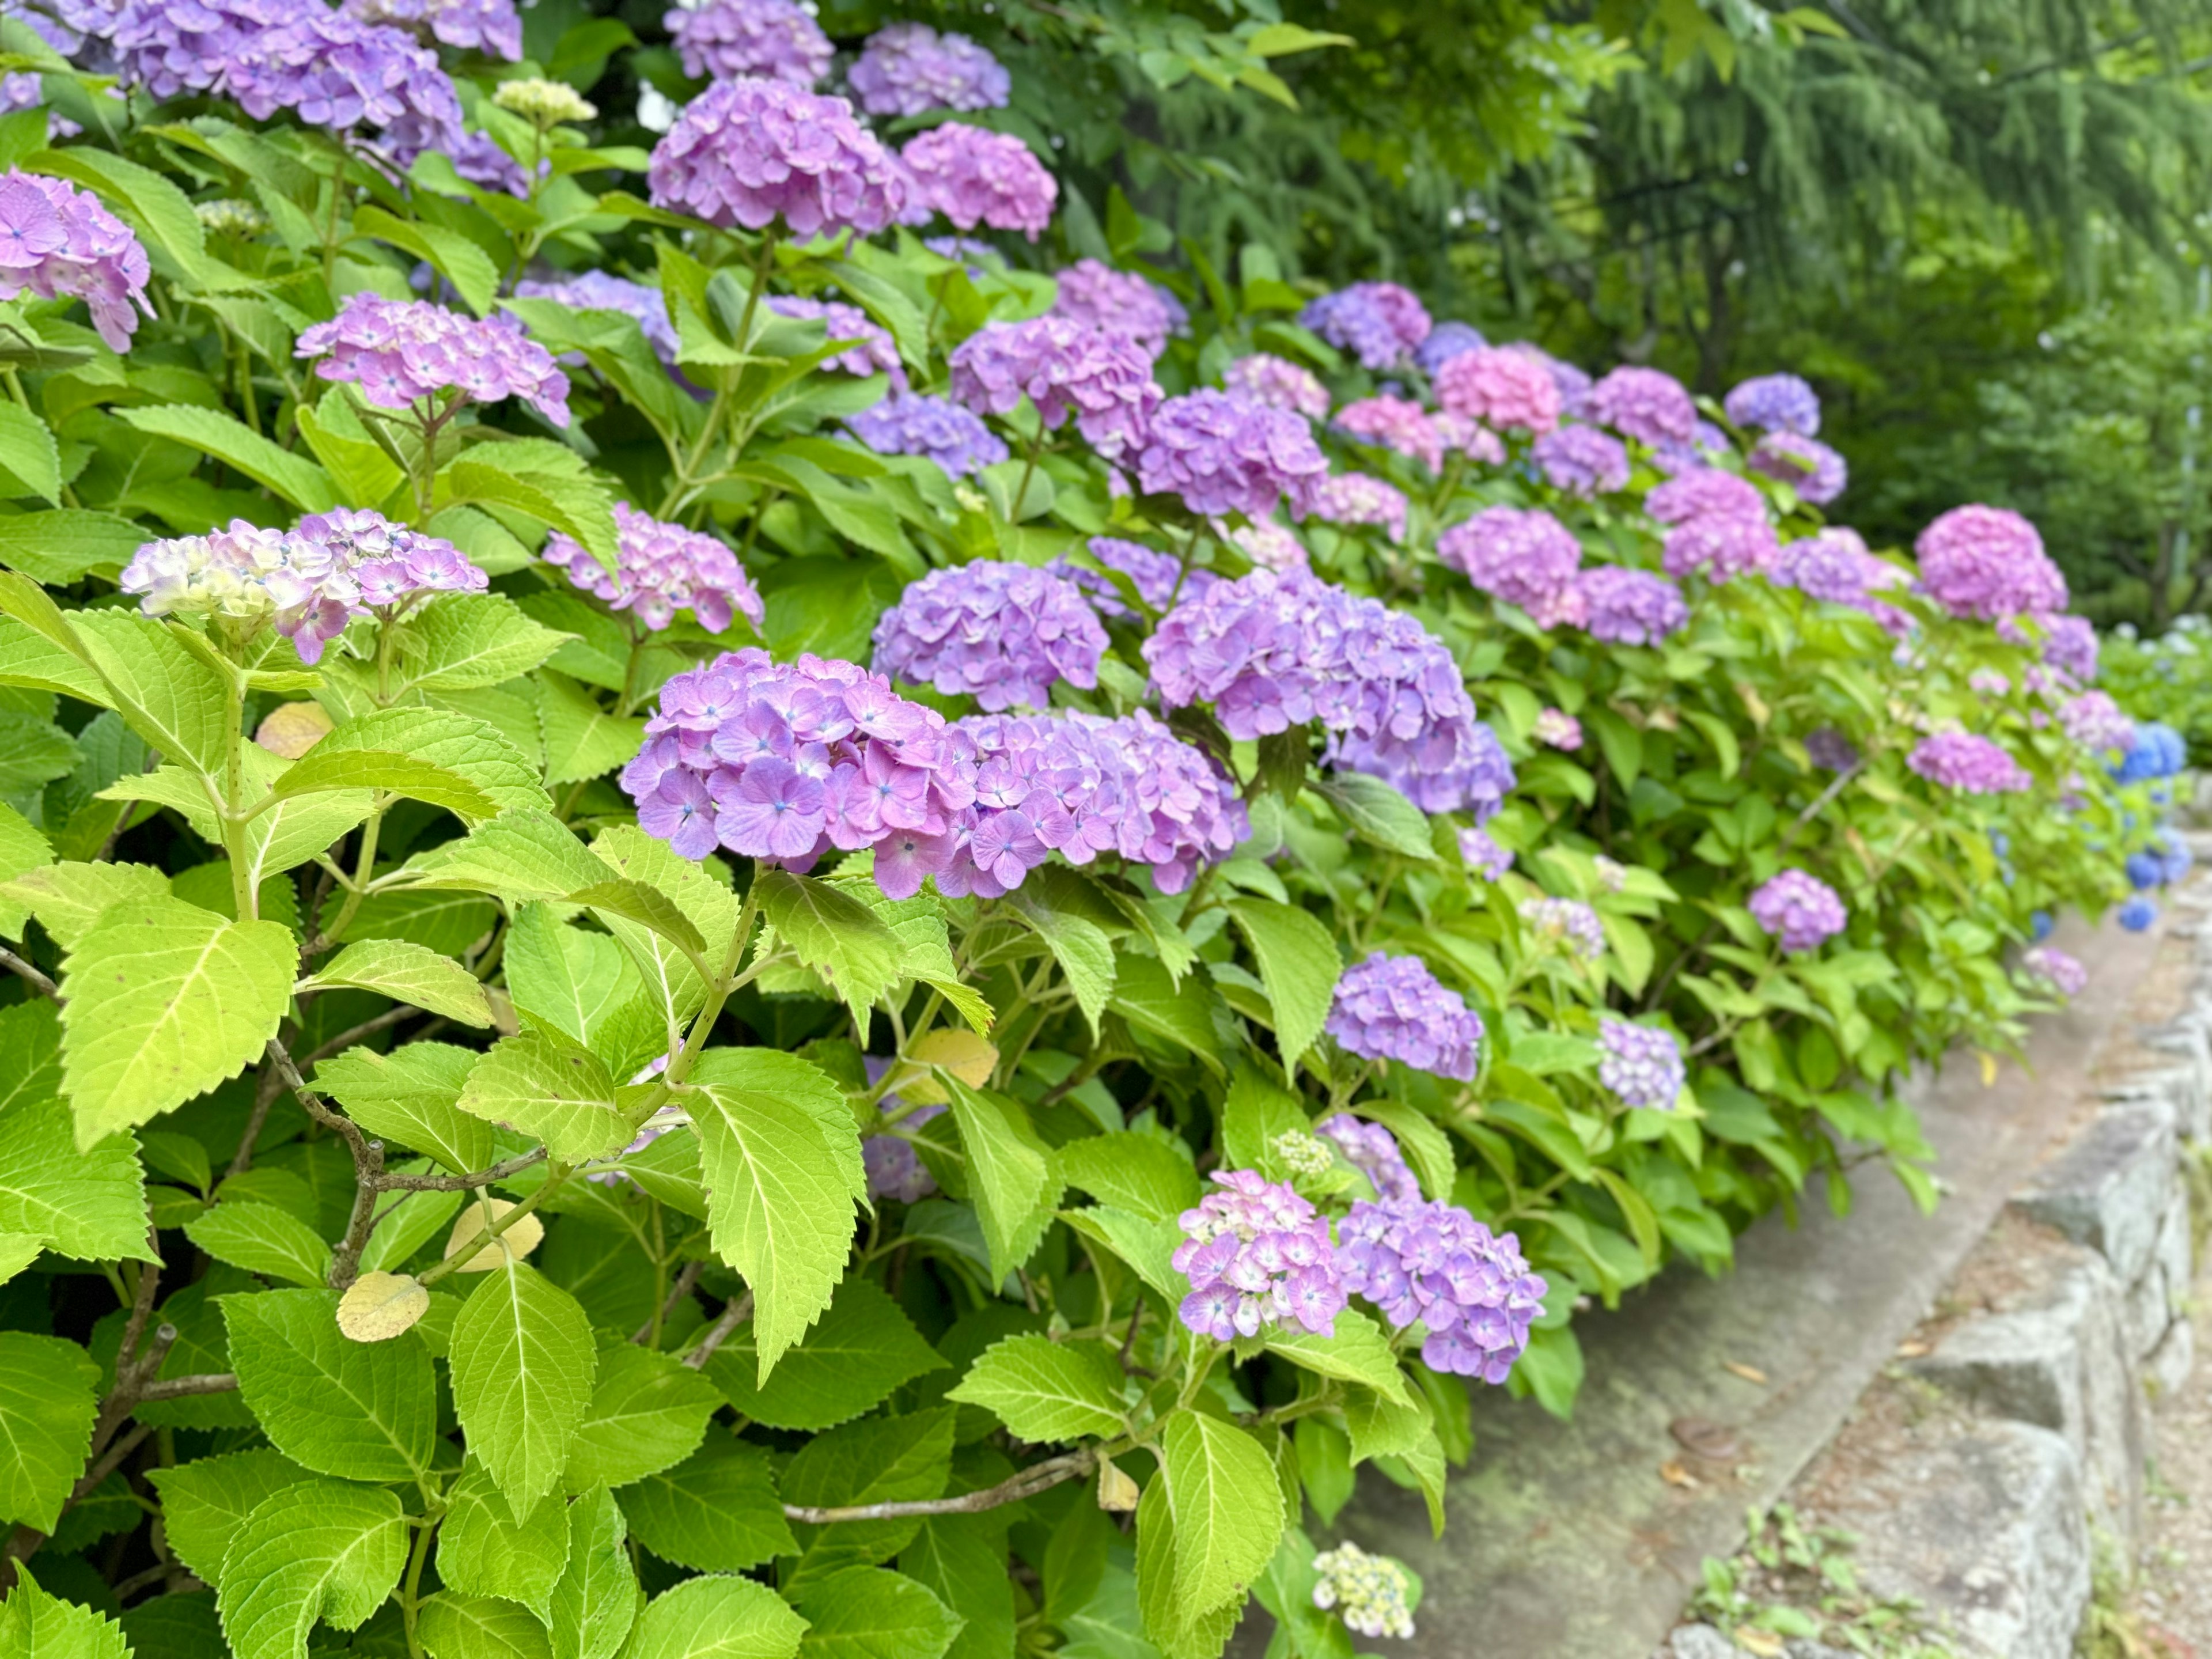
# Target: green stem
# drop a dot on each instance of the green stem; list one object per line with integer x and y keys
{"x": 410, "y": 1601}
{"x": 364, "y": 868}
{"x": 244, "y": 899}
{"x": 554, "y": 1174}
{"x": 331, "y": 223}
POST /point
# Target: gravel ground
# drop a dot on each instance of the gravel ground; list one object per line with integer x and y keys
{"x": 2172, "y": 1601}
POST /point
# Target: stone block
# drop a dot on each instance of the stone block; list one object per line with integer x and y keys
{"x": 2176, "y": 1252}
{"x": 2146, "y": 1311}
{"x": 2110, "y": 1188}
{"x": 2189, "y": 1041}
{"x": 2166, "y": 1373}
{"x": 1700, "y": 1642}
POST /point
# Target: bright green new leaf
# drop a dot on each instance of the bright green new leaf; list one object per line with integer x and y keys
{"x": 522, "y": 854}
{"x": 1356, "y": 1352}
{"x": 320, "y": 1549}
{"x": 1147, "y": 997}
{"x": 48, "y": 1398}
{"x": 873, "y": 1613}
{"x": 360, "y": 1411}
{"x": 68, "y": 898}
{"x": 1176, "y": 1628}
{"x": 582, "y": 740}
{"x": 596, "y": 1601}
{"x": 864, "y": 1348}
{"x": 483, "y": 1550}
{"x": 700, "y": 892}
{"x": 453, "y": 256}
{"x": 1298, "y": 964}
{"x": 22, "y": 849}
{"x": 262, "y": 1239}
{"x": 571, "y": 979}
{"x": 90, "y": 1204}
{"x": 433, "y": 755}
{"x": 1140, "y": 1173}
{"x": 407, "y": 973}
{"x": 546, "y": 1086}
{"x": 830, "y": 930}
{"x": 454, "y": 1625}
{"x": 167, "y": 693}
{"x": 29, "y": 453}
{"x": 717, "y": 1618}
{"x": 288, "y": 834}
{"x": 205, "y": 1501}
{"x": 1228, "y": 1508}
{"x": 1047, "y": 1390}
{"x": 462, "y": 641}
{"x": 1011, "y": 1173}
{"x": 522, "y": 1359}
{"x": 716, "y": 1511}
{"x": 406, "y": 1098}
{"x": 59, "y": 548}
{"x": 36, "y": 1626}
{"x": 1084, "y": 952}
{"x": 1383, "y": 1428}
{"x": 648, "y": 1412}
{"x": 234, "y": 443}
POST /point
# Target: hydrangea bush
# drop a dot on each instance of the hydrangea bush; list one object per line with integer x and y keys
{"x": 730, "y": 928}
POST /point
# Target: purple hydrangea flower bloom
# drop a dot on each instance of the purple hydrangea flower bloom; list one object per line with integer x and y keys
{"x": 491, "y": 26}
{"x": 974, "y": 176}
{"x": 1258, "y": 1258}
{"x": 1436, "y": 1265}
{"x": 1581, "y": 461}
{"x": 336, "y": 72}
{"x": 1630, "y": 607}
{"x": 1355, "y": 498}
{"x": 1831, "y": 750}
{"x": 2095, "y": 721}
{"x": 1105, "y": 381}
{"x": 1276, "y": 649}
{"x": 1705, "y": 492}
{"x": 1371, "y": 1148}
{"x": 1501, "y": 388}
{"x": 1483, "y": 855}
{"x": 400, "y": 351}
{"x": 1395, "y": 423}
{"x": 59, "y": 242}
{"x": 737, "y": 39}
{"x": 1378, "y": 323}
{"x": 1962, "y": 761}
{"x": 659, "y": 569}
{"x": 911, "y": 423}
{"x": 1003, "y": 633}
{"x": 480, "y": 162}
{"x": 1446, "y": 341}
{"x": 890, "y": 1161}
{"x": 1159, "y": 578}
{"x": 1776, "y": 403}
{"x": 1469, "y": 437}
{"x": 1557, "y": 728}
{"x": 1719, "y": 548}
{"x": 1222, "y": 453}
{"x": 1802, "y": 911}
{"x": 874, "y": 351}
{"x": 1566, "y": 925}
{"x": 1523, "y": 556}
{"x": 1641, "y": 1064}
{"x": 1809, "y": 466}
{"x": 1120, "y": 302}
{"x": 1277, "y": 382}
{"x": 595, "y": 290}
{"x": 748, "y": 152}
{"x": 391, "y": 565}
{"x": 785, "y": 761}
{"x": 1393, "y": 1008}
{"x": 1988, "y": 562}
{"x": 2051, "y": 966}
{"x": 1646, "y": 404}
{"x": 910, "y": 69}
{"x": 1267, "y": 544}
{"x": 2069, "y": 645}
{"x": 1833, "y": 566}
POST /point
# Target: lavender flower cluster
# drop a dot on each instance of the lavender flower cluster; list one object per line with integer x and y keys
{"x": 59, "y": 242}
{"x": 596, "y": 290}
{"x": 732, "y": 39}
{"x": 1523, "y": 556}
{"x": 1373, "y": 1151}
{"x": 401, "y": 351}
{"x": 1120, "y": 302}
{"x": 1368, "y": 1591}
{"x": 1258, "y": 1258}
{"x": 1002, "y": 632}
{"x": 1381, "y": 323}
{"x": 1159, "y": 578}
{"x": 1988, "y": 562}
{"x": 1446, "y": 340}
{"x": 1645, "y": 404}
{"x": 2047, "y": 965}
{"x": 785, "y": 761}
{"x": 1630, "y": 607}
{"x": 1355, "y": 498}
{"x": 1642, "y": 1065}
{"x": 1393, "y": 1008}
{"x": 1105, "y": 380}
{"x": 910, "y": 69}
{"x": 1581, "y": 461}
{"x": 1815, "y": 471}
{"x": 660, "y": 569}
{"x": 1705, "y": 492}
{"x": 2095, "y": 721}
{"x": 747, "y": 153}
{"x": 1801, "y": 910}
{"x": 1276, "y": 649}
{"x": 1222, "y": 453}
{"x": 491, "y": 26}
{"x": 1479, "y": 851}
{"x": 1277, "y": 382}
{"x": 915, "y": 423}
{"x": 1720, "y": 547}
{"x": 976, "y": 177}
{"x": 1776, "y": 403}
{"x": 1499, "y": 388}
{"x": 1967, "y": 763}
{"x": 1435, "y": 1265}
{"x": 1564, "y": 925}
{"x": 1396, "y": 423}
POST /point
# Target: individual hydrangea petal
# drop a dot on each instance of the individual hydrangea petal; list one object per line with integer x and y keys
{"x": 59, "y": 243}
{"x": 910, "y": 69}
{"x": 1643, "y": 404}
{"x": 1381, "y": 323}
{"x": 913, "y": 423}
{"x": 769, "y": 39}
{"x": 1105, "y": 380}
{"x": 1776, "y": 403}
{"x": 399, "y": 351}
{"x": 1391, "y": 1007}
{"x": 660, "y": 569}
{"x": 1222, "y": 453}
{"x": 1277, "y": 382}
{"x": 746, "y": 153}
{"x": 1965, "y": 761}
{"x": 1002, "y": 632}
{"x": 1641, "y": 1064}
{"x": 1988, "y": 562}
{"x": 976, "y": 177}
{"x": 1500, "y": 388}
{"x": 1120, "y": 302}
{"x": 1801, "y": 910}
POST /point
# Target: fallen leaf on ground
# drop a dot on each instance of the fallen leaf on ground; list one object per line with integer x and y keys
{"x": 1748, "y": 1373}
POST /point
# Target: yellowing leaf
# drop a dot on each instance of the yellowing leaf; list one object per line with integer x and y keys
{"x": 512, "y": 1244}
{"x": 381, "y": 1306}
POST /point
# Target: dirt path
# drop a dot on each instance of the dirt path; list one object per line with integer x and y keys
{"x": 2172, "y": 1601}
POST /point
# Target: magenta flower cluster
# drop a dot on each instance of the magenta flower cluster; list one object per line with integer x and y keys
{"x": 1093, "y": 293}
{"x": 1222, "y": 453}
{"x": 1354, "y": 498}
{"x": 733, "y": 39}
{"x": 1988, "y": 562}
{"x": 1808, "y": 465}
{"x": 2095, "y": 721}
{"x": 1642, "y": 1065}
{"x": 1581, "y": 461}
{"x": 1001, "y": 633}
{"x": 400, "y": 352}
{"x": 1705, "y": 492}
{"x": 1380, "y": 323}
{"x": 1719, "y": 547}
{"x": 59, "y": 242}
{"x": 910, "y": 69}
{"x": 785, "y": 761}
{"x": 1391, "y": 1007}
{"x": 1258, "y": 1258}
{"x": 2051, "y": 966}
{"x": 1630, "y": 607}
{"x": 1643, "y": 404}
{"x": 1801, "y": 910}
{"x": 1373, "y": 1151}
{"x": 660, "y": 569}
{"x": 976, "y": 177}
{"x": 913, "y": 423}
{"x": 596, "y": 290}
{"x": 748, "y": 153}
{"x": 1500, "y": 388}
{"x": 491, "y": 26}
{"x": 1523, "y": 556}
{"x": 1105, "y": 380}
{"x": 1277, "y": 382}
{"x": 1396, "y": 423}
{"x": 1965, "y": 761}
{"x": 1776, "y": 403}
{"x": 874, "y": 351}
{"x": 1435, "y": 1265}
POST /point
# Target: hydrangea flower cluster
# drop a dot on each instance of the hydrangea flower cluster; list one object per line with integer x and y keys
{"x": 1121, "y": 302}
{"x": 659, "y": 569}
{"x": 1582, "y": 460}
{"x": 480, "y": 162}
{"x": 1395, "y": 423}
{"x": 976, "y": 177}
{"x": 1003, "y": 633}
{"x": 1719, "y": 547}
{"x": 1368, "y": 1590}
{"x": 1393, "y": 1008}
{"x": 1523, "y": 556}
{"x": 402, "y": 351}
{"x": 1643, "y": 404}
{"x": 1277, "y": 382}
{"x": 2069, "y": 645}
{"x": 1557, "y": 728}
{"x": 1222, "y": 453}
{"x": 1357, "y": 498}
{"x": 389, "y": 565}
{"x": 59, "y": 242}
{"x": 1436, "y": 1265}
{"x": 2049, "y": 965}
{"x": 1776, "y": 403}
{"x": 1276, "y": 649}
{"x": 1965, "y": 761}
{"x": 1373, "y": 1150}
{"x": 1500, "y": 388}
{"x": 1566, "y": 925}
{"x": 1481, "y": 853}
{"x": 2138, "y": 916}
{"x": 1988, "y": 562}
{"x": 732, "y": 39}
{"x": 1378, "y": 323}
{"x": 340, "y": 73}
{"x": 1267, "y": 545}
{"x": 784, "y": 761}
{"x": 893, "y": 1168}
{"x": 914, "y": 423}
{"x": 595, "y": 290}
{"x": 1705, "y": 492}
{"x": 491, "y": 26}
{"x": 1446, "y": 341}
{"x": 2095, "y": 721}
{"x": 1156, "y": 575}
{"x": 750, "y": 152}
{"x": 1831, "y": 750}
{"x": 1801, "y": 910}
{"x": 1080, "y": 784}
{"x": 2159, "y": 752}
{"x": 1809, "y": 466}
{"x": 1469, "y": 437}
{"x": 874, "y": 352}
{"x": 544, "y": 104}
{"x": 1641, "y": 1064}
{"x": 1306, "y": 1157}
{"x": 1258, "y": 1258}
{"x": 910, "y": 69}
{"x": 1105, "y": 381}
{"x": 1834, "y": 567}
{"x": 1630, "y": 607}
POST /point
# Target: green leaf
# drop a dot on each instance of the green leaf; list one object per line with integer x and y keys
{"x": 582, "y": 740}
{"x": 166, "y": 692}
{"x": 285, "y": 835}
{"x": 453, "y": 256}
{"x": 1150, "y": 999}
{"x": 1136, "y": 1172}
{"x": 295, "y": 479}
{"x": 407, "y": 973}
{"x": 572, "y": 506}
{"x": 830, "y": 930}
{"x": 90, "y": 1205}
{"x": 1146, "y": 1242}
{"x": 48, "y": 1398}
{"x": 648, "y": 1412}
{"x": 318, "y": 1549}
{"x": 59, "y": 548}
{"x": 879, "y": 1460}
{"x": 1358, "y": 1352}
{"x": 1424, "y": 1144}
{"x": 1383, "y": 1428}
{"x": 571, "y": 979}
{"x": 262, "y": 1239}
{"x": 522, "y": 1360}
{"x": 162, "y": 1002}
{"x": 1258, "y": 1111}
{"x": 27, "y": 453}
{"x": 360, "y": 1411}
{"x": 864, "y": 1348}
{"x": 1298, "y": 964}
{"x": 1009, "y": 1173}
{"x": 1047, "y": 1390}
{"x": 650, "y": 908}
{"x": 962, "y": 1558}
{"x": 700, "y": 892}
{"x": 1085, "y": 953}
{"x": 434, "y": 755}
{"x": 716, "y": 1511}
{"x": 463, "y": 641}
{"x": 546, "y": 1086}
{"x": 22, "y": 849}
{"x": 483, "y": 1550}
{"x": 1228, "y": 1508}
{"x": 782, "y": 1161}
{"x": 596, "y": 1601}
{"x": 717, "y": 1618}
{"x": 205, "y": 1502}
{"x": 522, "y": 854}
{"x": 1178, "y": 1629}
{"x": 36, "y": 1626}
{"x": 454, "y": 1624}
{"x": 873, "y": 1613}
{"x": 406, "y": 1098}
{"x": 1378, "y": 814}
